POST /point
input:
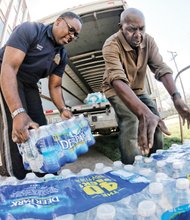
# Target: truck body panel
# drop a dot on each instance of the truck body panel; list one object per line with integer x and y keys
{"x": 84, "y": 72}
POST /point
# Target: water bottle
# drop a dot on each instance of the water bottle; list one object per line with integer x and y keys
{"x": 186, "y": 172}
{"x": 181, "y": 195}
{"x": 117, "y": 165}
{"x": 174, "y": 147}
{"x": 107, "y": 169}
{"x": 2, "y": 178}
{"x": 169, "y": 185}
{"x": 85, "y": 172}
{"x": 124, "y": 209}
{"x": 148, "y": 173}
{"x": 129, "y": 168}
{"x": 51, "y": 163}
{"x": 162, "y": 178}
{"x": 76, "y": 144}
{"x": 156, "y": 193}
{"x": 46, "y": 144}
{"x": 160, "y": 151}
{"x": 89, "y": 214}
{"x": 30, "y": 178}
{"x": 99, "y": 168}
{"x": 169, "y": 166}
{"x": 49, "y": 176}
{"x": 138, "y": 163}
{"x": 101, "y": 212}
{"x": 147, "y": 210}
{"x": 105, "y": 212}
{"x": 85, "y": 127}
{"x": 161, "y": 166}
{"x": 10, "y": 181}
{"x": 149, "y": 163}
{"x": 66, "y": 173}
{"x": 177, "y": 169}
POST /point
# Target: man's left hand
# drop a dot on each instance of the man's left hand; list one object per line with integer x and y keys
{"x": 183, "y": 110}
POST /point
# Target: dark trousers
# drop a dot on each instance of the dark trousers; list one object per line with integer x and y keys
{"x": 128, "y": 126}
{"x": 31, "y": 101}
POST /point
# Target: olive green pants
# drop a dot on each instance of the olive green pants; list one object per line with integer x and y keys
{"x": 128, "y": 126}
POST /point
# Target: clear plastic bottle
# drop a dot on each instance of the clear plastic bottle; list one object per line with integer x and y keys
{"x": 10, "y": 181}
{"x": 129, "y": 168}
{"x": 169, "y": 163}
{"x": 148, "y": 173}
{"x": 107, "y": 169}
{"x": 161, "y": 166}
{"x": 149, "y": 163}
{"x": 49, "y": 176}
{"x": 84, "y": 125}
{"x": 156, "y": 193}
{"x": 117, "y": 165}
{"x": 169, "y": 186}
{"x": 160, "y": 151}
{"x": 177, "y": 169}
{"x": 66, "y": 173}
{"x": 31, "y": 178}
{"x": 124, "y": 209}
{"x": 102, "y": 212}
{"x": 175, "y": 147}
{"x": 45, "y": 143}
{"x": 85, "y": 172}
{"x": 162, "y": 178}
{"x": 75, "y": 147}
{"x": 147, "y": 210}
{"x": 105, "y": 212}
{"x": 138, "y": 163}
{"x": 98, "y": 169}
{"x": 181, "y": 196}
{"x": 89, "y": 214}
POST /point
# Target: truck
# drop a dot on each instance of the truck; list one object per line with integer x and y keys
{"x": 84, "y": 72}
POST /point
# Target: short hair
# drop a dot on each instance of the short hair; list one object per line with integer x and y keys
{"x": 71, "y": 15}
{"x": 130, "y": 11}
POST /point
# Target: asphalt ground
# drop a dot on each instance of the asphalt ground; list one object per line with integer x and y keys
{"x": 88, "y": 160}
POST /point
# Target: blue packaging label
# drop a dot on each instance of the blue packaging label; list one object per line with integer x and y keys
{"x": 47, "y": 200}
{"x": 179, "y": 213}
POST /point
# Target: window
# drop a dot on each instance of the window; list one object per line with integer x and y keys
{"x": 12, "y": 18}
{"x": 16, "y": 4}
{"x": 1, "y": 27}
{"x": 4, "y": 6}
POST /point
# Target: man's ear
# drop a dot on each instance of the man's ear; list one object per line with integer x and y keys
{"x": 58, "y": 21}
{"x": 119, "y": 25}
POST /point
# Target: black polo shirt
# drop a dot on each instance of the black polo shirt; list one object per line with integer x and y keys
{"x": 43, "y": 56}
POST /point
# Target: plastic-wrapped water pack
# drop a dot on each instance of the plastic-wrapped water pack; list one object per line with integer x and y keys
{"x": 53, "y": 145}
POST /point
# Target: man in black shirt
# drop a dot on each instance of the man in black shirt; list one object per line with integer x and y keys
{"x": 32, "y": 52}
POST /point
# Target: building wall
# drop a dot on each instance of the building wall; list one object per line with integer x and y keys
{"x": 12, "y": 13}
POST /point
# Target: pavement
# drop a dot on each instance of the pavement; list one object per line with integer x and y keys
{"x": 88, "y": 160}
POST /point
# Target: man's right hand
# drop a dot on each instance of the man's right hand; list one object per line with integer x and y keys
{"x": 146, "y": 130}
{"x": 21, "y": 124}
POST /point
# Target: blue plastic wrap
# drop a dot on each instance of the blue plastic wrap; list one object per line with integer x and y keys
{"x": 51, "y": 147}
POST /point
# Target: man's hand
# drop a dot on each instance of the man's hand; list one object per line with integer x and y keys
{"x": 21, "y": 124}
{"x": 66, "y": 114}
{"x": 183, "y": 110}
{"x": 146, "y": 130}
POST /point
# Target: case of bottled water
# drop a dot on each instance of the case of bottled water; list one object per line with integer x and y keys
{"x": 51, "y": 146}
{"x": 158, "y": 191}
